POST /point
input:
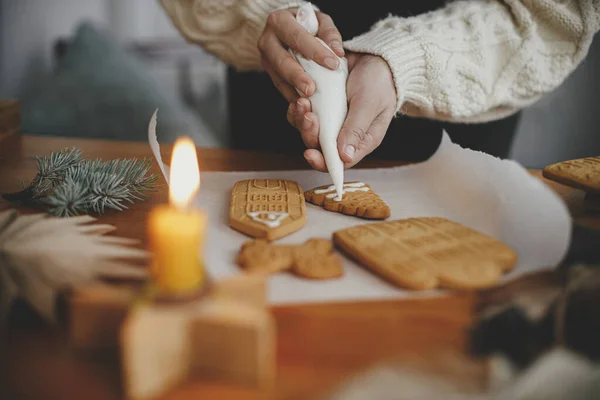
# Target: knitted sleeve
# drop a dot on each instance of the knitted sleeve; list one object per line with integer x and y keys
{"x": 229, "y": 29}
{"x": 479, "y": 60}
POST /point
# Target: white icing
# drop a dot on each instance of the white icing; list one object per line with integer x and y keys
{"x": 354, "y": 185}
{"x": 348, "y": 187}
{"x": 321, "y": 191}
{"x": 273, "y": 219}
{"x": 332, "y": 195}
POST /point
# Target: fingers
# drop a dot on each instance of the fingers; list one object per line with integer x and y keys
{"x": 284, "y": 88}
{"x": 282, "y": 63}
{"x": 290, "y": 32}
{"x": 302, "y": 108}
{"x": 315, "y": 159}
{"x": 291, "y": 114}
{"x": 362, "y": 132}
{"x": 355, "y": 130}
{"x": 329, "y": 33}
{"x": 307, "y": 123}
{"x": 310, "y": 131}
{"x": 287, "y": 74}
{"x": 299, "y": 115}
{"x": 352, "y": 59}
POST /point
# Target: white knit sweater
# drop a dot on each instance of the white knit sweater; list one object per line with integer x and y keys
{"x": 472, "y": 61}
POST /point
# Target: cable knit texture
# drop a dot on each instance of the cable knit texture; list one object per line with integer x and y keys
{"x": 471, "y": 61}
{"x": 229, "y": 29}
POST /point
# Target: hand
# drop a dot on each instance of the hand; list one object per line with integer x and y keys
{"x": 372, "y": 105}
{"x": 282, "y": 30}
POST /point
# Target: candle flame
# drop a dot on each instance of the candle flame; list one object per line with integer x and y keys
{"x": 185, "y": 173}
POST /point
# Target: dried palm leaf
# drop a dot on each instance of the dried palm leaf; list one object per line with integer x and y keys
{"x": 41, "y": 255}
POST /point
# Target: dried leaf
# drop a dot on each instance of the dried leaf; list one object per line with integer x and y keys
{"x": 40, "y": 255}
{"x": 96, "y": 229}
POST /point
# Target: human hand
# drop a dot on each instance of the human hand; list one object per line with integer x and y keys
{"x": 372, "y": 105}
{"x": 283, "y": 30}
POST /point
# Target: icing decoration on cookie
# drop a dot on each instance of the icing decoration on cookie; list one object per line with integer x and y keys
{"x": 359, "y": 200}
{"x": 270, "y": 218}
{"x": 348, "y": 187}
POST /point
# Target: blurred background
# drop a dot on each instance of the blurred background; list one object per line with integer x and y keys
{"x": 99, "y": 68}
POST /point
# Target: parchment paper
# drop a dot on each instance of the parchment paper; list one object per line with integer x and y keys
{"x": 496, "y": 197}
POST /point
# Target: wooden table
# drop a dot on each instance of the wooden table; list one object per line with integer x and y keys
{"x": 10, "y": 117}
{"x": 318, "y": 345}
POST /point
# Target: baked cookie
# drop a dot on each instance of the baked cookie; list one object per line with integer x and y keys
{"x": 267, "y": 208}
{"x": 358, "y": 200}
{"x": 426, "y": 253}
{"x": 315, "y": 259}
{"x": 583, "y": 173}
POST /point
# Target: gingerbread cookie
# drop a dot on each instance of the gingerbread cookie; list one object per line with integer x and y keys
{"x": 314, "y": 259}
{"x": 583, "y": 173}
{"x": 267, "y": 208}
{"x": 426, "y": 253}
{"x": 358, "y": 200}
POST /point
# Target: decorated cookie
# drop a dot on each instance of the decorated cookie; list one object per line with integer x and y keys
{"x": 267, "y": 208}
{"x": 358, "y": 200}
{"x": 314, "y": 259}
{"x": 426, "y": 253}
{"x": 583, "y": 173}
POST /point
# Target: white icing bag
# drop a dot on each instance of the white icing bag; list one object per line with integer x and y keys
{"x": 329, "y": 102}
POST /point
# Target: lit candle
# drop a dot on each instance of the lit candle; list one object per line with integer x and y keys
{"x": 177, "y": 231}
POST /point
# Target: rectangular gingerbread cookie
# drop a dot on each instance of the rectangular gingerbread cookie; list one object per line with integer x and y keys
{"x": 583, "y": 173}
{"x": 427, "y": 253}
{"x": 267, "y": 208}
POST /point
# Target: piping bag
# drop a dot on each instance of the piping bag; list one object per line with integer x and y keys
{"x": 329, "y": 102}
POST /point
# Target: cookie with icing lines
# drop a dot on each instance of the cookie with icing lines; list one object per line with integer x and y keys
{"x": 428, "y": 253}
{"x": 358, "y": 200}
{"x": 267, "y": 208}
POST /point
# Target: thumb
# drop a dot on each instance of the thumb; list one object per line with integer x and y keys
{"x": 357, "y": 138}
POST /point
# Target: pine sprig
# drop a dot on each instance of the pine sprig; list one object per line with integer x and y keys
{"x": 51, "y": 171}
{"x": 68, "y": 199}
{"x": 69, "y": 185}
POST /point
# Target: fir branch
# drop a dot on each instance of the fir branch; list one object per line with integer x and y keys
{"x": 107, "y": 191}
{"x": 136, "y": 178}
{"x": 53, "y": 169}
{"x": 68, "y": 199}
{"x": 51, "y": 172}
{"x": 69, "y": 185}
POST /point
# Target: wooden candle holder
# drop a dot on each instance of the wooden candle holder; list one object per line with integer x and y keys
{"x": 227, "y": 334}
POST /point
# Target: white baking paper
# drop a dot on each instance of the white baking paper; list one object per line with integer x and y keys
{"x": 496, "y": 197}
